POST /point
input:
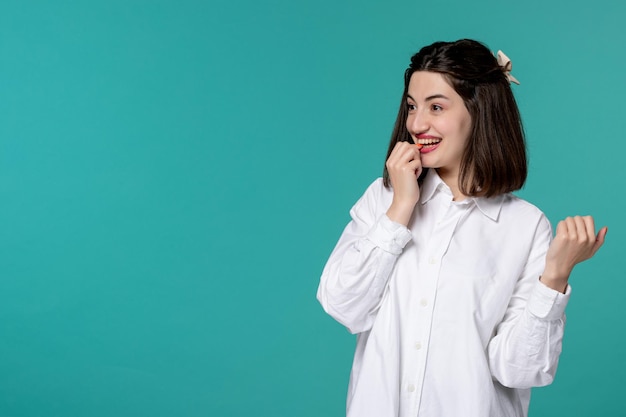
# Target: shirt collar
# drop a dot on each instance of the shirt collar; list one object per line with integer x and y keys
{"x": 490, "y": 207}
{"x": 431, "y": 184}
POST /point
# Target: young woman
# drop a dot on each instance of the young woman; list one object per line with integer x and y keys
{"x": 454, "y": 286}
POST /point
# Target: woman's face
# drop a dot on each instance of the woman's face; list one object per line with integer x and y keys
{"x": 438, "y": 120}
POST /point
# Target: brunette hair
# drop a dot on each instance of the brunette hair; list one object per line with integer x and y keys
{"x": 494, "y": 161}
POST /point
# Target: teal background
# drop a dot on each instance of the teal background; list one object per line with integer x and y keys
{"x": 174, "y": 174}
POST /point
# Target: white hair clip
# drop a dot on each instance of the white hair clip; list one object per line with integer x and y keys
{"x": 506, "y": 65}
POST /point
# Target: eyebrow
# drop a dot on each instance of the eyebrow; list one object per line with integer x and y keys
{"x": 429, "y": 98}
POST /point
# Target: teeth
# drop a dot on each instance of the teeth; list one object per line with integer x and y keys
{"x": 428, "y": 141}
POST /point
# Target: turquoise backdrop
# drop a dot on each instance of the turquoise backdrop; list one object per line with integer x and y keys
{"x": 174, "y": 174}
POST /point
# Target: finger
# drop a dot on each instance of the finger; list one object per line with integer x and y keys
{"x": 396, "y": 155}
{"x": 411, "y": 150}
{"x": 394, "y": 152}
{"x": 590, "y": 228}
{"x": 599, "y": 239}
{"x": 561, "y": 228}
{"x": 580, "y": 230}
{"x": 403, "y": 152}
{"x": 404, "y": 161}
{"x": 398, "y": 146}
{"x": 408, "y": 155}
{"x": 416, "y": 166}
{"x": 572, "y": 228}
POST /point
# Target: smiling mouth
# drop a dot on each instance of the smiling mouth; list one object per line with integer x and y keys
{"x": 428, "y": 142}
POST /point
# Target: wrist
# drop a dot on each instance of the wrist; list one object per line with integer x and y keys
{"x": 400, "y": 213}
{"x": 557, "y": 283}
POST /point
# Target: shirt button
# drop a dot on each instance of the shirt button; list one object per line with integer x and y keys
{"x": 411, "y": 388}
{"x": 423, "y": 302}
{"x": 432, "y": 260}
{"x": 418, "y": 346}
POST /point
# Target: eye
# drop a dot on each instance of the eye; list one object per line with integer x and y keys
{"x": 411, "y": 106}
{"x": 436, "y": 108}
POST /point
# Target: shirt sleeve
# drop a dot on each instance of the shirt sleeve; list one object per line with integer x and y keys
{"x": 355, "y": 277}
{"x": 525, "y": 351}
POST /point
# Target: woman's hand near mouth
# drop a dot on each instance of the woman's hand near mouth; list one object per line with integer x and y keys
{"x": 404, "y": 167}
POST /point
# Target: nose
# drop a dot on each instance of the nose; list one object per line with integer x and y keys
{"x": 417, "y": 122}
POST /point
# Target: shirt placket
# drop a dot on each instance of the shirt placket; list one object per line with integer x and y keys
{"x": 440, "y": 239}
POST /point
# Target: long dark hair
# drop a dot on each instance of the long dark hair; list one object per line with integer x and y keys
{"x": 494, "y": 160}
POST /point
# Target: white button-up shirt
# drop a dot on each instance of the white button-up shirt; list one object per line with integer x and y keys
{"x": 451, "y": 317}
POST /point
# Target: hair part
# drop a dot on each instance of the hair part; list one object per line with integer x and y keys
{"x": 494, "y": 160}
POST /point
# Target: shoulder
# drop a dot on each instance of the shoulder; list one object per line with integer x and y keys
{"x": 515, "y": 203}
{"x": 376, "y": 197}
{"x": 377, "y": 190}
{"x": 523, "y": 212}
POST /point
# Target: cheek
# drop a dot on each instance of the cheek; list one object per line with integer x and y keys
{"x": 467, "y": 125}
{"x": 464, "y": 132}
{"x": 463, "y": 129}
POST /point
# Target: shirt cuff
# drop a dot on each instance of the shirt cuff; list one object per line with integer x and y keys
{"x": 388, "y": 235}
{"x": 548, "y": 304}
